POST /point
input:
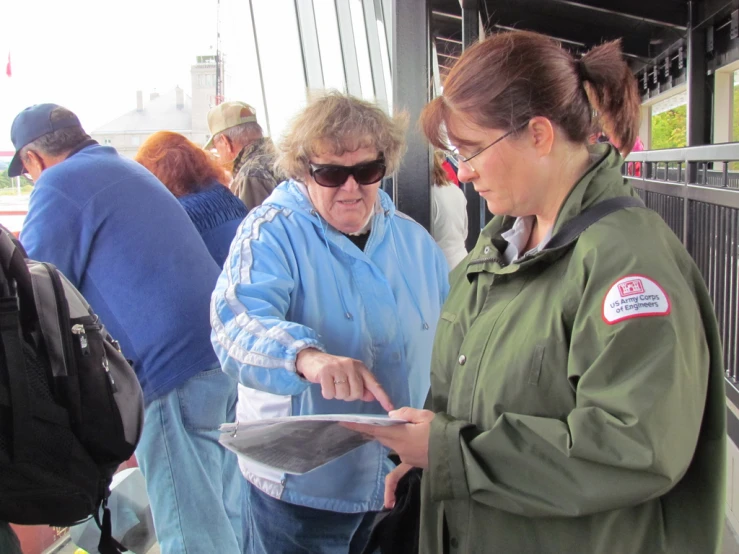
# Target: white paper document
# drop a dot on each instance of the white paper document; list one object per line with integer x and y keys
{"x": 297, "y": 444}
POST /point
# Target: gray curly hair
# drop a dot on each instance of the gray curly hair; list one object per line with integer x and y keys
{"x": 336, "y": 123}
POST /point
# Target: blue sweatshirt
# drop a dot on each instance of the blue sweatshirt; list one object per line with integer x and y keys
{"x": 292, "y": 282}
{"x": 216, "y": 214}
{"x": 126, "y": 243}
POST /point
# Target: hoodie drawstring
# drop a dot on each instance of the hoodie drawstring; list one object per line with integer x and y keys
{"x": 347, "y": 314}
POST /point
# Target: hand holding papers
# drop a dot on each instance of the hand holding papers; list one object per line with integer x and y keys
{"x": 298, "y": 444}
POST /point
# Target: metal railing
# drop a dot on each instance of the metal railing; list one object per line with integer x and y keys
{"x": 701, "y": 205}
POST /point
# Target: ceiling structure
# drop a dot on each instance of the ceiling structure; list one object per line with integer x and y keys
{"x": 647, "y": 28}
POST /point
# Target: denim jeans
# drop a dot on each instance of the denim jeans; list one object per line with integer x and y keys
{"x": 194, "y": 484}
{"x": 278, "y": 527}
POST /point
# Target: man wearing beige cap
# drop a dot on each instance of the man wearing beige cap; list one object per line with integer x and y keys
{"x": 237, "y": 137}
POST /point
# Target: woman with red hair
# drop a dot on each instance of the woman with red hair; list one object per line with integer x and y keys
{"x": 197, "y": 181}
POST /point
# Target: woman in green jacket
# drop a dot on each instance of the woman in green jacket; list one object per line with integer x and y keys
{"x": 577, "y": 400}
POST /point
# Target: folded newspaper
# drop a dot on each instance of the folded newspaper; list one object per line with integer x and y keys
{"x": 297, "y": 444}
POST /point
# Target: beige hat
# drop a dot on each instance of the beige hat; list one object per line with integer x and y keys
{"x": 227, "y": 115}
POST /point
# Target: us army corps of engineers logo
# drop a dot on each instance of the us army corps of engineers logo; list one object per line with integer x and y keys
{"x": 634, "y": 296}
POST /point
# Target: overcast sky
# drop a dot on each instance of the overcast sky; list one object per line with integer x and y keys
{"x": 91, "y": 56}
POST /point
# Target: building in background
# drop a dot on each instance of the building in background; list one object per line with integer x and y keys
{"x": 172, "y": 111}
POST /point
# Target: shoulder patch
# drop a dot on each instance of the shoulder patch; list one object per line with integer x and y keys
{"x": 634, "y": 296}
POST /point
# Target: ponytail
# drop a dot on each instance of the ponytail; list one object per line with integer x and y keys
{"x": 613, "y": 92}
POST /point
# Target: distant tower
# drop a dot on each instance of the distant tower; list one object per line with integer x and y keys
{"x": 203, "y": 94}
{"x": 220, "y": 76}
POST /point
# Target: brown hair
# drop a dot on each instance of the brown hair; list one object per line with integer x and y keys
{"x": 511, "y": 77}
{"x": 339, "y": 123}
{"x": 439, "y": 176}
{"x": 181, "y": 165}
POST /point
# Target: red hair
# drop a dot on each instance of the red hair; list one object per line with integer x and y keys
{"x": 180, "y": 164}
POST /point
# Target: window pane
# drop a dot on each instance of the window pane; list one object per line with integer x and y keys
{"x": 385, "y": 63}
{"x": 329, "y": 44}
{"x": 669, "y": 122}
{"x": 241, "y": 67}
{"x": 281, "y": 60}
{"x": 360, "y": 43}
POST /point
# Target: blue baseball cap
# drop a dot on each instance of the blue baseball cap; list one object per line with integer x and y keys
{"x": 32, "y": 123}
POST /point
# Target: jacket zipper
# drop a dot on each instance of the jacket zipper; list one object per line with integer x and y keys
{"x": 63, "y": 312}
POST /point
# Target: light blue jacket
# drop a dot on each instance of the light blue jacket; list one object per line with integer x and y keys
{"x": 292, "y": 282}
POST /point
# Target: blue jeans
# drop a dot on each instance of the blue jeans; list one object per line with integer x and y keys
{"x": 278, "y": 527}
{"x": 194, "y": 483}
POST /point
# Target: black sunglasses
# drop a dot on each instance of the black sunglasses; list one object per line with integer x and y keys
{"x": 366, "y": 173}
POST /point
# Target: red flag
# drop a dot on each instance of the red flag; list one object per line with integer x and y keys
{"x": 8, "y": 71}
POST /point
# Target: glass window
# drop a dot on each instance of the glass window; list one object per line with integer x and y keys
{"x": 329, "y": 44}
{"x": 362, "y": 48}
{"x": 281, "y": 60}
{"x": 237, "y": 38}
{"x": 385, "y": 62}
{"x": 669, "y": 122}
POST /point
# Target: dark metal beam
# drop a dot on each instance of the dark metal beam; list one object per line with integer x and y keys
{"x": 411, "y": 76}
{"x": 645, "y": 11}
{"x": 698, "y": 116}
{"x": 569, "y": 30}
{"x": 470, "y": 23}
{"x": 709, "y": 10}
{"x": 470, "y": 35}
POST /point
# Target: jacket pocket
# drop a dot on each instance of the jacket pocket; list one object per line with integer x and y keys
{"x": 537, "y": 359}
{"x": 206, "y": 400}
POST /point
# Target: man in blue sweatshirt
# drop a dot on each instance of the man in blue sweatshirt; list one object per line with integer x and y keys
{"x": 124, "y": 240}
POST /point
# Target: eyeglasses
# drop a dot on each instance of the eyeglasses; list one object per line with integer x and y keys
{"x": 366, "y": 173}
{"x": 461, "y": 158}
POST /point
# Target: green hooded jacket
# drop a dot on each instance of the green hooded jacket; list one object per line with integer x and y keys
{"x": 579, "y": 393}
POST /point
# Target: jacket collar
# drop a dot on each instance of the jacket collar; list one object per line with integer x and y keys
{"x": 602, "y": 180}
{"x": 292, "y": 195}
{"x": 248, "y": 151}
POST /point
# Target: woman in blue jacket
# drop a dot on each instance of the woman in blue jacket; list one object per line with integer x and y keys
{"x": 327, "y": 304}
{"x": 199, "y": 184}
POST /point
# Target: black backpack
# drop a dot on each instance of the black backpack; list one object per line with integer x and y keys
{"x": 71, "y": 408}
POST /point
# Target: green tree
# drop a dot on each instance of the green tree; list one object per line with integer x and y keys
{"x": 8, "y": 182}
{"x": 669, "y": 129}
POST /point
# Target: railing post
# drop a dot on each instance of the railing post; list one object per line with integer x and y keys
{"x": 686, "y": 190}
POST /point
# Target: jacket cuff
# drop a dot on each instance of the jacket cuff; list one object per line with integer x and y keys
{"x": 446, "y": 463}
{"x": 304, "y": 346}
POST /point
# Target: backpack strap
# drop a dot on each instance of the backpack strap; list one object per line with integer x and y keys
{"x": 13, "y": 268}
{"x": 573, "y": 228}
{"x": 12, "y": 342}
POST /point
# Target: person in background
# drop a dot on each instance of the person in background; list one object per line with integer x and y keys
{"x": 451, "y": 171}
{"x": 577, "y": 390}
{"x": 328, "y": 304}
{"x": 634, "y": 168}
{"x": 197, "y": 181}
{"x": 126, "y": 243}
{"x": 448, "y": 214}
{"x": 239, "y": 140}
